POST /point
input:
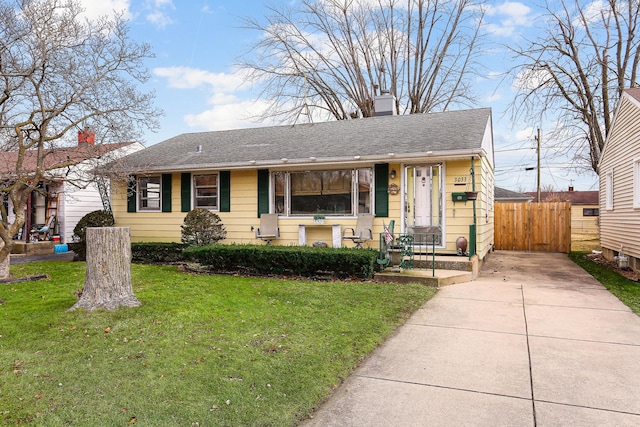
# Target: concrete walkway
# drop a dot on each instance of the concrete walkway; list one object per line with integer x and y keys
{"x": 534, "y": 341}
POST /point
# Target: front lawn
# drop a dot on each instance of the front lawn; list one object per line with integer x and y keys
{"x": 627, "y": 291}
{"x": 201, "y": 350}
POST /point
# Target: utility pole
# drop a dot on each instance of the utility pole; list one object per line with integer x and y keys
{"x": 538, "y": 141}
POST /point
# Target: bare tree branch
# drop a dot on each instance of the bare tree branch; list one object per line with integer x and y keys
{"x": 58, "y": 74}
{"x": 576, "y": 70}
{"x": 341, "y": 53}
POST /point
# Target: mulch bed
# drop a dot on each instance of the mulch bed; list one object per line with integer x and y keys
{"x": 612, "y": 265}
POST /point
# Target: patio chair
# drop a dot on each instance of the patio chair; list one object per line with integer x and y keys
{"x": 268, "y": 229}
{"x": 362, "y": 233}
{"x": 45, "y": 232}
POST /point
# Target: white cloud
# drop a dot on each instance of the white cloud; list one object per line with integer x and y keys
{"x": 157, "y": 14}
{"x": 594, "y": 12}
{"x": 94, "y": 9}
{"x": 532, "y": 78}
{"x": 232, "y": 113}
{"x": 192, "y": 78}
{"x": 510, "y": 16}
{"x": 524, "y": 134}
{"x": 227, "y": 110}
{"x": 159, "y": 19}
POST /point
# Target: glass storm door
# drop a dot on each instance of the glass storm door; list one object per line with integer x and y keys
{"x": 423, "y": 200}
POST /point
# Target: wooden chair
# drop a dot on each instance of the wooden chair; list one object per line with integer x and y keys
{"x": 362, "y": 233}
{"x": 268, "y": 229}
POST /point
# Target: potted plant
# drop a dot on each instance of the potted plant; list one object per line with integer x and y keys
{"x": 318, "y": 219}
{"x": 471, "y": 195}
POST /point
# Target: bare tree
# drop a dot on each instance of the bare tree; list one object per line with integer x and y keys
{"x": 59, "y": 73}
{"x": 335, "y": 56}
{"x": 575, "y": 71}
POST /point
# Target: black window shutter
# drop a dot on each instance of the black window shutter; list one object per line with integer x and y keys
{"x": 166, "y": 192}
{"x": 132, "y": 184}
{"x": 185, "y": 191}
{"x": 263, "y": 191}
{"x": 225, "y": 191}
{"x": 382, "y": 195}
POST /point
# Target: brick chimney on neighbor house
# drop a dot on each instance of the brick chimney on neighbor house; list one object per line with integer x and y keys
{"x": 385, "y": 104}
{"x": 86, "y": 136}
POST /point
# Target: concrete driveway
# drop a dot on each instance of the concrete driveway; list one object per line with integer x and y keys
{"x": 534, "y": 341}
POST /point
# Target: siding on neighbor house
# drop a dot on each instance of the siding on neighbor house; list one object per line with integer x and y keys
{"x": 74, "y": 204}
{"x": 583, "y": 224}
{"x": 621, "y": 225}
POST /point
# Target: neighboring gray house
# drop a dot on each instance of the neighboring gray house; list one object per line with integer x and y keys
{"x": 619, "y": 171}
{"x": 508, "y": 196}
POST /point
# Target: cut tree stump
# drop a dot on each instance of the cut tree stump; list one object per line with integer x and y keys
{"x": 108, "y": 280}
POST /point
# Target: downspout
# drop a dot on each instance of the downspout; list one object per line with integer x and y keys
{"x": 472, "y": 229}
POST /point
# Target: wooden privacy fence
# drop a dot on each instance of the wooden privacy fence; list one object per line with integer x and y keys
{"x": 542, "y": 226}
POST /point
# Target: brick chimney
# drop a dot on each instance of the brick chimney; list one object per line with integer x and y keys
{"x": 571, "y": 188}
{"x": 86, "y": 136}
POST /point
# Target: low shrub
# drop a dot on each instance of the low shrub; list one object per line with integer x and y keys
{"x": 202, "y": 227}
{"x": 92, "y": 219}
{"x": 154, "y": 252}
{"x": 288, "y": 260}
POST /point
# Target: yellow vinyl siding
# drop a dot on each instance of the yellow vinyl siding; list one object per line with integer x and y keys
{"x": 459, "y": 215}
{"x": 165, "y": 226}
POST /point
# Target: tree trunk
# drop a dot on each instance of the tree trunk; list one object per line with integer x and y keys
{"x": 108, "y": 281}
{"x": 4, "y": 263}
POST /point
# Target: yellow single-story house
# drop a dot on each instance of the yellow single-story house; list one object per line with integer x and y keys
{"x": 412, "y": 169}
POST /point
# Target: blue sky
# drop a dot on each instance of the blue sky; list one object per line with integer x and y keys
{"x": 197, "y": 43}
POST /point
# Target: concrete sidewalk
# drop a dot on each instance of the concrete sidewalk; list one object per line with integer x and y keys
{"x": 534, "y": 341}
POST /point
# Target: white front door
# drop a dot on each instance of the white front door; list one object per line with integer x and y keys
{"x": 423, "y": 201}
{"x": 422, "y": 210}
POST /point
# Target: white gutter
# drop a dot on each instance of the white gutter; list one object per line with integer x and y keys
{"x": 316, "y": 162}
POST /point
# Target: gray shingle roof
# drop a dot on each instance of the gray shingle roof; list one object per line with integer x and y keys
{"x": 371, "y": 138}
{"x": 504, "y": 194}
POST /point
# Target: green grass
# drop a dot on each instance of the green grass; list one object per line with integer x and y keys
{"x": 212, "y": 350}
{"x": 626, "y": 290}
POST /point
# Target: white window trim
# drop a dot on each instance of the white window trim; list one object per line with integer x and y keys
{"x": 139, "y": 195}
{"x": 636, "y": 183}
{"x": 354, "y": 193}
{"x": 608, "y": 190}
{"x": 194, "y": 198}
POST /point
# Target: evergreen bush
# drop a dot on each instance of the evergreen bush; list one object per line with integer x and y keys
{"x": 98, "y": 218}
{"x": 202, "y": 227}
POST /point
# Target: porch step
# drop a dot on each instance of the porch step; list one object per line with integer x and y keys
{"x": 442, "y": 277}
{"x": 444, "y": 262}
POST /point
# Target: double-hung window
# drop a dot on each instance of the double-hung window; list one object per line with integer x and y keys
{"x": 149, "y": 193}
{"x": 205, "y": 191}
